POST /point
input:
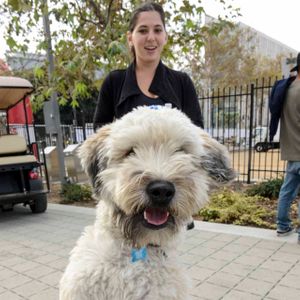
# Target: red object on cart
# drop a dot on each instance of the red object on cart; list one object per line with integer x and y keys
{"x": 16, "y": 115}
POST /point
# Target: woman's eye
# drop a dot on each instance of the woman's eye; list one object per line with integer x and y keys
{"x": 159, "y": 30}
{"x": 143, "y": 31}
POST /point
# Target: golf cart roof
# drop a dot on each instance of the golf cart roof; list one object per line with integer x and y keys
{"x": 13, "y": 90}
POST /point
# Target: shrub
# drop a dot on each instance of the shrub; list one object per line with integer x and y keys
{"x": 72, "y": 192}
{"x": 235, "y": 208}
{"x": 268, "y": 189}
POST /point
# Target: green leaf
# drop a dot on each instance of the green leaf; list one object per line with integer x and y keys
{"x": 39, "y": 73}
{"x": 11, "y": 43}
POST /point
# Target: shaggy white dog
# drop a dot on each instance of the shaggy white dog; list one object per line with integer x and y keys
{"x": 150, "y": 170}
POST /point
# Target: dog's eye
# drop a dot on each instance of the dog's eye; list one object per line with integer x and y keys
{"x": 181, "y": 149}
{"x": 129, "y": 152}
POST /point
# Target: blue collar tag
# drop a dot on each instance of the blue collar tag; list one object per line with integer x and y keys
{"x": 155, "y": 107}
{"x": 139, "y": 254}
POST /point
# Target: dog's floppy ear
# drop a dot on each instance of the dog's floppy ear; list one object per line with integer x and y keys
{"x": 93, "y": 154}
{"x": 216, "y": 161}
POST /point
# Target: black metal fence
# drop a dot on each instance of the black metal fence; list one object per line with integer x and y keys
{"x": 239, "y": 118}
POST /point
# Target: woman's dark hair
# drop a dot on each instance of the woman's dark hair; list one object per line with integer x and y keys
{"x": 148, "y": 6}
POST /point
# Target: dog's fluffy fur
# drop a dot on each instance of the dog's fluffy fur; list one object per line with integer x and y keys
{"x": 122, "y": 160}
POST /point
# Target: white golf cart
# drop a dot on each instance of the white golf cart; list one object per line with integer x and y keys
{"x": 20, "y": 166}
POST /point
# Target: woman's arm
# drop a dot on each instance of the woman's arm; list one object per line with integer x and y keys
{"x": 104, "y": 112}
{"x": 190, "y": 104}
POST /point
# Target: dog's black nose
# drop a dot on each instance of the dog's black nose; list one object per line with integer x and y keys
{"x": 160, "y": 192}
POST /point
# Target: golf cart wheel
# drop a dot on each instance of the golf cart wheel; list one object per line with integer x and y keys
{"x": 40, "y": 204}
{"x": 7, "y": 208}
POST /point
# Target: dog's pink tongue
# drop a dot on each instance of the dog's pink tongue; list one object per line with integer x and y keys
{"x": 156, "y": 216}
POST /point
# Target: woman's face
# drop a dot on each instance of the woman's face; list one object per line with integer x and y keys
{"x": 148, "y": 37}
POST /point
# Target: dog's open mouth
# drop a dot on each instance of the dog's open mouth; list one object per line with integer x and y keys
{"x": 156, "y": 217}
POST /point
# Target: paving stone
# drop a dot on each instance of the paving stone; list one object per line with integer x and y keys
{"x": 224, "y": 255}
{"x": 15, "y": 260}
{"x": 249, "y": 260}
{"x": 201, "y": 251}
{"x": 48, "y": 258}
{"x": 6, "y": 273}
{"x": 237, "y": 248}
{"x": 14, "y": 281}
{"x": 238, "y": 295}
{"x": 295, "y": 269}
{"x": 237, "y": 269}
{"x": 2, "y": 290}
{"x": 48, "y": 294}
{"x": 249, "y": 241}
{"x": 185, "y": 247}
{"x": 291, "y": 248}
{"x": 4, "y": 256}
{"x": 40, "y": 271}
{"x": 63, "y": 252}
{"x": 189, "y": 259}
{"x": 266, "y": 275}
{"x": 210, "y": 291}
{"x": 30, "y": 288}
{"x": 24, "y": 267}
{"x": 199, "y": 273}
{"x": 194, "y": 240}
{"x": 276, "y": 265}
{"x": 52, "y": 279}
{"x": 206, "y": 235}
{"x": 282, "y": 292}
{"x": 291, "y": 281}
{"x": 10, "y": 296}
{"x": 60, "y": 264}
{"x": 33, "y": 254}
{"x": 286, "y": 257}
{"x": 259, "y": 252}
{"x": 212, "y": 264}
{"x": 225, "y": 237}
{"x": 256, "y": 287}
{"x": 271, "y": 245}
{"x": 213, "y": 244}
{"x": 224, "y": 279}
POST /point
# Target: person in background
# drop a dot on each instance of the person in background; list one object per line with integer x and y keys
{"x": 147, "y": 81}
{"x": 285, "y": 106}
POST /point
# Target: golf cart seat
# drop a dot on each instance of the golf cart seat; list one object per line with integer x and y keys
{"x": 12, "y": 145}
{"x": 13, "y": 150}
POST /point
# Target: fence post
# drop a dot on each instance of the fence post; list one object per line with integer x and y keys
{"x": 250, "y": 133}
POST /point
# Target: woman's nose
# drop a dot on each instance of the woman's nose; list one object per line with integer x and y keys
{"x": 151, "y": 36}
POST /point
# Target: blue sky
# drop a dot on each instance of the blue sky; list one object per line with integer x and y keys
{"x": 275, "y": 18}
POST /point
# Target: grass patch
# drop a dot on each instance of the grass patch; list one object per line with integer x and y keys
{"x": 72, "y": 192}
{"x": 268, "y": 189}
{"x": 229, "y": 207}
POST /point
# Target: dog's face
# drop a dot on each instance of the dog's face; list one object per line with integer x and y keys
{"x": 154, "y": 168}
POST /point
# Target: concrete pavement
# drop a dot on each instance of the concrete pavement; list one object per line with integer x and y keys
{"x": 224, "y": 261}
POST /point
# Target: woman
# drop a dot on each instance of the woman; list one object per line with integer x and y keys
{"x": 147, "y": 81}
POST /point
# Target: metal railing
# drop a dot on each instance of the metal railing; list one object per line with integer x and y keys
{"x": 239, "y": 118}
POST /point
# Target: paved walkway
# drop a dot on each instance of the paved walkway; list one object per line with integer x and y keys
{"x": 225, "y": 262}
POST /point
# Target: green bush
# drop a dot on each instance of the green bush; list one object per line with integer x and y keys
{"x": 235, "y": 208}
{"x": 72, "y": 192}
{"x": 268, "y": 189}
